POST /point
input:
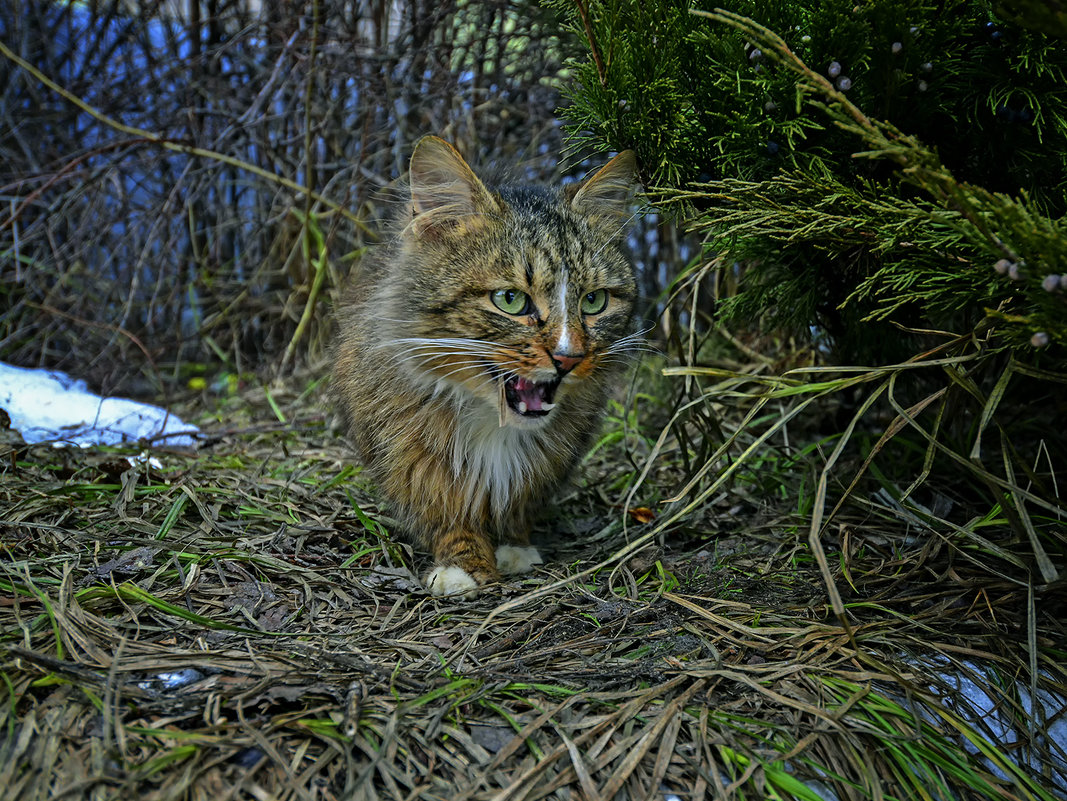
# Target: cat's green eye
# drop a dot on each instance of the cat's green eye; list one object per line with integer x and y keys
{"x": 594, "y": 302}
{"x": 511, "y": 301}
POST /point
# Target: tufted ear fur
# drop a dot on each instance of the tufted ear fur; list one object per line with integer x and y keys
{"x": 608, "y": 194}
{"x": 447, "y": 197}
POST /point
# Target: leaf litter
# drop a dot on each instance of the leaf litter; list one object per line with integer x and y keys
{"x": 243, "y": 623}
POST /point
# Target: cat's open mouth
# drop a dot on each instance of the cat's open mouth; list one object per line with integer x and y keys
{"x": 530, "y": 398}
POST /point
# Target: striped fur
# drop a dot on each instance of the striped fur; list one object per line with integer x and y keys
{"x": 448, "y": 397}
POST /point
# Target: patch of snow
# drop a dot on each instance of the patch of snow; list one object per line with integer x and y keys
{"x": 47, "y": 406}
{"x": 970, "y": 700}
{"x": 180, "y": 677}
{"x": 172, "y": 680}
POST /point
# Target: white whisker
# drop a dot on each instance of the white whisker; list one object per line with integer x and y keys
{"x": 449, "y": 354}
{"x": 632, "y": 343}
{"x": 616, "y": 359}
{"x": 490, "y": 369}
{"x": 457, "y": 363}
{"x": 462, "y": 367}
{"x": 448, "y": 342}
{"x": 445, "y": 351}
{"x": 631, "y": 347}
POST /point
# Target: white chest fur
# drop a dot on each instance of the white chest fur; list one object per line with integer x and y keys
{"x": 494, "y": 459}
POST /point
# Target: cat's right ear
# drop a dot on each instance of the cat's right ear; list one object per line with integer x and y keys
{"x": 608, "y": 194}
{"x": 446, "y": 196}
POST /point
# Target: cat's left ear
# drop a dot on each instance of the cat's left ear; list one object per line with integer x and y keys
{"x": 609, "y": 193}
{"x": 446, "y": 195}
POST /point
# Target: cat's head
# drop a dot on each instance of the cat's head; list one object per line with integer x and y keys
{"x": 523, "y": 296}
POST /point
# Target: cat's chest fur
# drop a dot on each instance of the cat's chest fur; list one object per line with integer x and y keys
{"x": 502, "y": 466}
{"x": 499, "y": 461}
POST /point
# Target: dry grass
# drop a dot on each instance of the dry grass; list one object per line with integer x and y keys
{"x": 238, "y": 623}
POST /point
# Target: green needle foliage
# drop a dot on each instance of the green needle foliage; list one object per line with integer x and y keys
{"x": 875, "y": 163}
{"x": 887, "y": 180}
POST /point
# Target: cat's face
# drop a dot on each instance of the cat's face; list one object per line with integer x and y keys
{"x": 521, "y": 298}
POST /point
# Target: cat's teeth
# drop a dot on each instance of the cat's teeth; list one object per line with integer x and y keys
{"x": 547, "y": 407}
{"x": 522, "y": 407}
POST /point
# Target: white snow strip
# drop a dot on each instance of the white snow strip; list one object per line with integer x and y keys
{"x": 49, "y": 406}
{"x": 979, "y": 709}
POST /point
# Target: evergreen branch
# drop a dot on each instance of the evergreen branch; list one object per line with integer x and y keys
{"x": 1028, "y": 247}
{"x": 583, "y": 10}
{"x": 919, "y": 165}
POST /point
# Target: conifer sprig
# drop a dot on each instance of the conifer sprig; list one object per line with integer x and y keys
{"x": 1028, "y": 246}
{"x": 889, "y": 178}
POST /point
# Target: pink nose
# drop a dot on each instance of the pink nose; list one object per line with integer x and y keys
{"x": 565, "y": 362}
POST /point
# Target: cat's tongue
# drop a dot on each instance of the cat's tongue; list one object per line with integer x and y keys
{"x": 530, "y": 397}
{"x": 533, "y": 395}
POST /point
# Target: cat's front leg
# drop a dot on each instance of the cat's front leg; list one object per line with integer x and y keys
{"x": 463, "y": 562}
{"x": 514, "y": 554}
{"x": 517, "y": 556}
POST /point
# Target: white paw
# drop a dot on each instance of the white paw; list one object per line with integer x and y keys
{"x": 516, "y": 559}
{"x": 451, "y": 581}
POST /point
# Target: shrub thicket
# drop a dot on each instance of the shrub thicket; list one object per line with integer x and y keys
{"x": 887, "y": 179}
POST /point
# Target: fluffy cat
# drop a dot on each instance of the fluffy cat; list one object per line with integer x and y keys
{"x": 476, "y": 350}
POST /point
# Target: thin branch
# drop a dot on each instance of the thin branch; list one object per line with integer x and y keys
{"x": 583, "y": 10}
{"x": 169, "y": 144}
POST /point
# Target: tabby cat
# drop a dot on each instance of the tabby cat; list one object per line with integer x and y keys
{"x": 476, "y": 351}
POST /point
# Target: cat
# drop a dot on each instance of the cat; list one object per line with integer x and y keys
{"x": 476, "y": 350}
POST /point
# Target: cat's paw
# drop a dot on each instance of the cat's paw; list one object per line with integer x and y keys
{"x": 517, "y": 559}
{"x": 451, "y": 581}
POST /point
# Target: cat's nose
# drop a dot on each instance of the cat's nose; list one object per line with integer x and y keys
{"x": 565, "y": 362}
